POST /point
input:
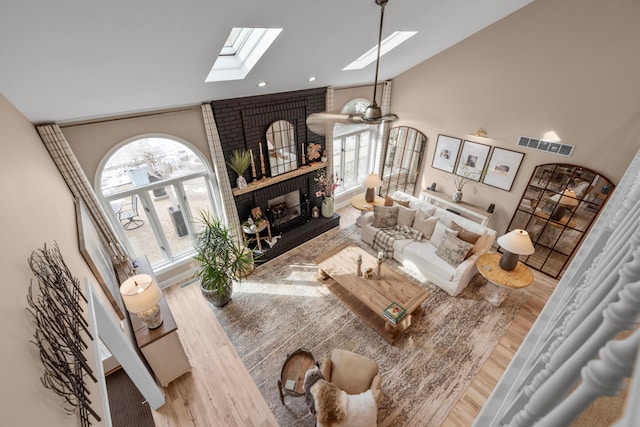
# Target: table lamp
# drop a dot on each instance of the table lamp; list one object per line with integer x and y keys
{"x": 567, "y": 199}
{"x": 371, "y": 182}
{"x": 514, "y": 244}
{"x": 141, "y": 296}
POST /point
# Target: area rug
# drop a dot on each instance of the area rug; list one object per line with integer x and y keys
{"x": 127, "y": 405}
{"x": 281, "y": 307}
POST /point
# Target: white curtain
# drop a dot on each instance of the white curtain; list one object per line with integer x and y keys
{"x": 228, "y": 203}
{"x": 80, "y": 187}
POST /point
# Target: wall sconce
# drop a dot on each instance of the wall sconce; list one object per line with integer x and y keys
{"x": 481, "y": 133}
{"x": 567, "y": 199}
{"x": 514, "y": 244}
{"x": 141, "y": 296}
{"x": 371, "y": 182}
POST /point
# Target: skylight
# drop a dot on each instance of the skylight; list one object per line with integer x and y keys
{"x": 389, "y": 43}
{"x": 241, "y": 52}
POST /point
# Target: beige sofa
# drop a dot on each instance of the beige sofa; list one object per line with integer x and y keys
{"x": 429, "y": 259}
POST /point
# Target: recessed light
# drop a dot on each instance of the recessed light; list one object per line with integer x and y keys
{"x": 311, "y": 79}
{"x": 262, "y": 84}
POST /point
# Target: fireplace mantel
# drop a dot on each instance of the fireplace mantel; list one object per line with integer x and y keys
{"x": 262, "y": 183}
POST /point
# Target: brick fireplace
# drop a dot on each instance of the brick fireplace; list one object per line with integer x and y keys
{"x": 242, "y": 124}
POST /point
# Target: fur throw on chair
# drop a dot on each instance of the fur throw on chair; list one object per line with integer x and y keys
{"x": 334, "y": 407}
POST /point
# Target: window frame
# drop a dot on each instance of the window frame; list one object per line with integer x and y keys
{"x": 169, "y": 260}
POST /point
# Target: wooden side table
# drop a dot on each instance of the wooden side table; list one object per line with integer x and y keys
{"x": 500, "y": 281}
{"x": 363, "y": 206}
{"x": 259, "y": 229}
{"x": 291, "y": 381}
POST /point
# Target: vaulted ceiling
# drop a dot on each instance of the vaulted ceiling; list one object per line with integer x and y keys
{"x": 68, "y": 60}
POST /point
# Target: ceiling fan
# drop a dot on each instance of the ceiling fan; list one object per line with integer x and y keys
{"x": 372, "y": 115}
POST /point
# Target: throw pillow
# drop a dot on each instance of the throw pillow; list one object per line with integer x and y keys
{"x": 467, "y": 236}
{"x": 404, "y": 203}
{"x": 405, "y": 216}
{"x": 438, "y": 234}
{"x": 464, "y": 234}
{"x": 452, "y": 249}
{"x": 388, "y": 201}
{"x": 425, "y": 224}
{"x": 384, "y": 216}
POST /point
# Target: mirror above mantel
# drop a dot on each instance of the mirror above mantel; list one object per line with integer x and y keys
{"x": 557, "y": 208}
{"x": 281, "y": 146}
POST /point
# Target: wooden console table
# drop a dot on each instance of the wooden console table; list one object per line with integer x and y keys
{"x": 464, "y": 209}
{"x": 161, "y": 346}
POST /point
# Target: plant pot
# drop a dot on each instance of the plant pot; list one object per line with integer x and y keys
{"x": 241, "y": 182}
{"x": 219, "y": 298}
{"x": 457, "y": 196}
{"x": 327, "y": 207}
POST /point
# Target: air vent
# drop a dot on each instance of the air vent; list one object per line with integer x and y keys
{"x": 548, "y": 146}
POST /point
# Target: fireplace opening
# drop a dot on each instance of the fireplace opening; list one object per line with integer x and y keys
{"x": 287, "y": 211}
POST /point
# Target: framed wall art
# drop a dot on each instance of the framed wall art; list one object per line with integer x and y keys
{"x": 503, "y": 168}
{"x": 446, "y": 154}
{"x": 473, "y": 159}
{"x": 96, "y": 254}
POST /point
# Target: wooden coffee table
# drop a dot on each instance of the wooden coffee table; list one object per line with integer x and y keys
{"x": 368, "y": 297}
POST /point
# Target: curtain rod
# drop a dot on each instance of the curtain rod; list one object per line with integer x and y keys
{"x": 127, "y": 117}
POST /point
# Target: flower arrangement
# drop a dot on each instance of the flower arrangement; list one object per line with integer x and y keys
{"x": 328, "y": 184}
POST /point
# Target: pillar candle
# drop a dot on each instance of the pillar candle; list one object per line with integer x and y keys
{"x": 261, "y": 148}
{"x": 380, "y": 255}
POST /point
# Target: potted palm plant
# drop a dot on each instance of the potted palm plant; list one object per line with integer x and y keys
{"x": 223, "y": 259}
{"x": 239, "y": 161}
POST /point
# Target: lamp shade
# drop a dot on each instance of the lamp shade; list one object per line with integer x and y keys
{"x": 140, "y": 293}
{"x": 372, "y": 181}
{"x": 517, "y": 242}
{"x": 567, "y": 198}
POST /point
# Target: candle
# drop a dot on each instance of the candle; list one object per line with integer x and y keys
{"x": 359, "y": 258}
{"x": 380, "y": 256}
{"x": 260, "y": 148}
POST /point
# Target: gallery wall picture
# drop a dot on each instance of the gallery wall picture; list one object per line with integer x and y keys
{"x": 473, "y": 159}
{"x": 446, "y": 154}
{"x": 503, "y": 168}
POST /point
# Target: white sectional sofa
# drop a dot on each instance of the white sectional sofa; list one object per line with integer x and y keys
{"x": 422, "y": 256}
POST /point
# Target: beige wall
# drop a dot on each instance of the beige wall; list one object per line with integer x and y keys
{"x": 92, "y": 141}
{"x": 570, "y": 66}
{"x": 37, "y": 208}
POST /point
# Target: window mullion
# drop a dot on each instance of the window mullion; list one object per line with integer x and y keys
{"x": 154, "y": 221}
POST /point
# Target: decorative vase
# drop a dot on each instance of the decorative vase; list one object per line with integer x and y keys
{"x": 219, "y": 298}
{"x": 241, "y": 182}
{"x": 457, "y": 196}
{"x": 327, "y": 207}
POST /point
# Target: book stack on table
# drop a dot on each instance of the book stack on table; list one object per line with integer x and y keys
{"x": 394, "y": 313}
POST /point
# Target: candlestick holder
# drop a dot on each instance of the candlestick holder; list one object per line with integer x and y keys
{"x": 378, "y": 275}
{"x": 262, "y": 168}
{"x": 359, "y": 266}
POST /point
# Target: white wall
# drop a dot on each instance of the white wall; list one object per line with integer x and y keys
{"x": 37, "y": 208}
{"x": 570, "y": 66}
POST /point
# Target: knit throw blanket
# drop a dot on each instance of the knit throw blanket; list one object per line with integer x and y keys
{"x": 384, "y": 238}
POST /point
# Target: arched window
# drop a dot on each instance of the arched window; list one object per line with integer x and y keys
{"x": 354, "y": 147}
{"x": 153, "y": 188}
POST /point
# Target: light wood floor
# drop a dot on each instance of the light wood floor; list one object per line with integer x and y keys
{"x": 220, "y": 392}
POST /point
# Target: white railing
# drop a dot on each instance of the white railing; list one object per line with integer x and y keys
{"x": 575, "y": 340}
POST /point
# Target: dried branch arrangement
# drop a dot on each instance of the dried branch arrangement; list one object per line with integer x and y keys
{"x": 61, "y": 331}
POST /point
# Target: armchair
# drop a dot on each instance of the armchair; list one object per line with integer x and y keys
{"x": 352, "y": 373}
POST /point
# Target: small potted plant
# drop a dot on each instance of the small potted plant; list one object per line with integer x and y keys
{"x": 223, "y": 259}
{"x": 239, "y": 161}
